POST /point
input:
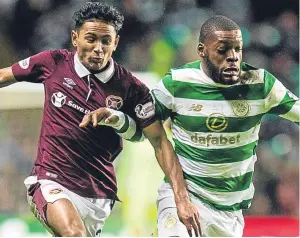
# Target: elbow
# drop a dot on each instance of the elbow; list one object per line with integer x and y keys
{"x": 156, "y": 143}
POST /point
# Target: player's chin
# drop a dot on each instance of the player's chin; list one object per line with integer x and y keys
{"x": 96, "y": 67}
{"x": 229, "y": 80}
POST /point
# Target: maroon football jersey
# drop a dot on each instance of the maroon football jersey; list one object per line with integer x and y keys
{"x": 81, "y": 158}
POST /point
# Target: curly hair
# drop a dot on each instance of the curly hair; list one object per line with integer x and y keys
{"x": 99, "y": 11}
{"x": 215, "y": 23}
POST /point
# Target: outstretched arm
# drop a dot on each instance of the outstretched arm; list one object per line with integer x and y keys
{"x": 123, "y": 124}
{"x": 170, "y": 165}
{"x": 6, "y": 77}
{"x": 280, "y": 100}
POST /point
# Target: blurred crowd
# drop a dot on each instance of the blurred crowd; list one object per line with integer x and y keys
{"x": 158, "y": 35}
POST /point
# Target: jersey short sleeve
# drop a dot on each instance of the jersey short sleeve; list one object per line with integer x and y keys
{"x": 163, "y": 97}
{"x": 144, "y": 111}
{"x": 34, "y": 69}
{"x": 279, "y": 100}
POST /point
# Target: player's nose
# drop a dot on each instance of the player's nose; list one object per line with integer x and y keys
{"x": 98, "y": 47}
{"x": 232, "y": 56}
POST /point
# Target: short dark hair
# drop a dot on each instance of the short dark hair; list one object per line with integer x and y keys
{"x": 99, "y": 11}
{"x": 216, "y": 23}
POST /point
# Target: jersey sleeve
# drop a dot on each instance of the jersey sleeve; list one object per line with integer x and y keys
{"x": 139, "y": 114}
{"x": 163, "y": 95}
{"x": 34, "y": 69}
{"x": 279, "y": 100}
{"x": 143, "y": 106}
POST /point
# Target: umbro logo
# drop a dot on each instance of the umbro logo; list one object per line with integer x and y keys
{"x": 69, "y": 83}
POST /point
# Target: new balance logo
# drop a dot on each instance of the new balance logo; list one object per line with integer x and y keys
{"x": 69, "y": 83}
{"x": 196, "y": 107}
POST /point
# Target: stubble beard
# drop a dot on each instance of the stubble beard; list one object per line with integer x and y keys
{"x": 213, "y": 71}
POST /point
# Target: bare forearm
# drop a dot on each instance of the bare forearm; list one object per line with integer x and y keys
{"x": 170, "y": 165}
{"x": 167, "y": 159}
{"x": 6, "y": 77}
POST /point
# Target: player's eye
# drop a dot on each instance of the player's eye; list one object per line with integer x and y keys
{"x": 106, "y": 41}
{"x": 90, "y": 39}
{"x": 221, "y": 51}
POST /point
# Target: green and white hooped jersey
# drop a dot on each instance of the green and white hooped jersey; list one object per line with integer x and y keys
{"x": 215, "y": 128}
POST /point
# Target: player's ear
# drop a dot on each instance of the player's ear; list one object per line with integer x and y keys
{"x": 74, "y": 37}
{"x": 116, "y": 42}
{"x": 200, "y": 49}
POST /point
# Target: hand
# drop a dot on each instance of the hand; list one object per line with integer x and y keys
{"x": 188, "y": 214}
{"x": 101, "y": 115}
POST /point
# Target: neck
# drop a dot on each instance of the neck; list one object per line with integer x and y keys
{"x": 207, "y": 71}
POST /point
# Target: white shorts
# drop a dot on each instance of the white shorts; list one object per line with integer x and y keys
{"x": 93, "y": 212}
{"x": 214, "y": 223}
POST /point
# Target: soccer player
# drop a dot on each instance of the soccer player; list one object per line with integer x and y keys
{"x": 216, "y": 106}
{"x": 72, "y": 187}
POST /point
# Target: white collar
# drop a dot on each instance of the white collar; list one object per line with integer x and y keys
{"x": 103, "y": 76}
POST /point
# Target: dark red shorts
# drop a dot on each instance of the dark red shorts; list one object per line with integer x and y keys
{"x": 38, "y": 204}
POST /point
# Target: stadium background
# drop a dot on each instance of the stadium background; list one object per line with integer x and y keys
{"x": 157, "y": 35}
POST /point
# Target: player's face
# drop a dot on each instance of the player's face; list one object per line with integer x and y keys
{"x": 95, "y": 42}
{"x": 222, "y": 56}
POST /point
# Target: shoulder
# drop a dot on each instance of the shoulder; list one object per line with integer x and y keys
{"x": 61, "y": 55}
{"x": 186, "y": 73}
{"x": 251, "y": 74}
{"x": 188, "y": 67}
{"x": 258, "y": 74}
{"x": 50, "y": 56}
{"x": 127, "y": 78}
